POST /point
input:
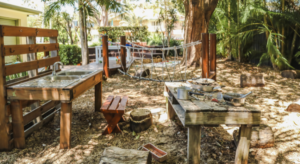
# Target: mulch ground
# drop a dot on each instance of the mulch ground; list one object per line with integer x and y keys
{"x": 217, "y": 146}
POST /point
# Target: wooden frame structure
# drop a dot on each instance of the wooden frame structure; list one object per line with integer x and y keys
{"x": 7, "y": 108}
{"x": 209, "y": 66}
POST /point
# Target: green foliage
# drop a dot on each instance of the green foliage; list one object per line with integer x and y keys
{"x": 136, "y": 33}
{"x": 155, "y": 40}
{"x": 70, "y": 54}
{"x": 95, "y": 44}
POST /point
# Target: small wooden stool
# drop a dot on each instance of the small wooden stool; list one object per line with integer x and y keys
{"x": 113, "y": 110}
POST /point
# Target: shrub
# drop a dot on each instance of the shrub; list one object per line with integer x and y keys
{"x": 70, "y": 54}
{"x": 94, "y": 44}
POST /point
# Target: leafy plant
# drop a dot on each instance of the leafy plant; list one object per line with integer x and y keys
{"x": 95, "y": 44}
{"x": 136, "y": 33}
{"x": 70, "y": 54}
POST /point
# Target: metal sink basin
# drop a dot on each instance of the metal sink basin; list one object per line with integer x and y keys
{"x": 74, "y": 73}
{"x": 60, "y": 78}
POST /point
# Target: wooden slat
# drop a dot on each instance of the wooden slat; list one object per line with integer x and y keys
{"x": 46, "y": 33}
{"x": 85, "y": 84}
{"x": 107, "y": 103}
{"x": 98, "y": 96}
{"x": 114, "y": 105}
{"x": 18, "y": 31}
{"x": 123, "y": 103}
{"x": 48, "y": 105}
{"x": 31, "y": 115}
{"x": 48, "y": 61}
{"x": 217, "y": 118}
{"x": 29, "y": 48}
{"x": 38, "y": 94}
{"x": 20, "y": 67}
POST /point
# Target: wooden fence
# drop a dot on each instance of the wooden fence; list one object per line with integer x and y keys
{"x": 39, "y": 114}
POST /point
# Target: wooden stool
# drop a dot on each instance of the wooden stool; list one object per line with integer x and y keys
{"x": 113, "y": 110}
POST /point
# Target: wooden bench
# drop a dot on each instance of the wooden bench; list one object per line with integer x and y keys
{"x": 113, "y": 110}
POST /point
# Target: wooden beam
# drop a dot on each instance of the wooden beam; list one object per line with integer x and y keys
{"x": 20, "y": 67}
{"x": 48, "y": 61}
{"x": 65, "y": 125}
{"x": 205, "y": 55}
{"x": 213, "y": 55}
{"x": 242, "y": 152}
{"x": 194, "y": 144}
{"x": 38, "y": 94}
{"x": 18, "y": 31}
{"x": 105, "y": 56}
{"x": 123, "y": 53}
{"x": 4, "y": 135}
{"x": 217, "y": 118}
{"x": 46, "y": 32}
{"x": 29, "y": 48}
{"x": 98, "y": 96}
{"x": 18, "y": 125}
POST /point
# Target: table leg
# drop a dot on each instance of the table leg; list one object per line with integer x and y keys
{"x": 65, "y": 125}
{"x": 18, "y": 125}
{"x": 171, "y": 112}
{"x": 98, "y": 96}
{"x": 194, "y": 144}
{"x": 242, "y": 152}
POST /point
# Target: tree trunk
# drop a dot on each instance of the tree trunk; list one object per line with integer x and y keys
{"x": 293, "y": 46}
{"x": 104, "y": 21}
{"x": 197, "y": 16}
{"x": 83, "y": 38}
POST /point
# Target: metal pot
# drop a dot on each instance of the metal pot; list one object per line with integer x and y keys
{"x": 182, "y": 92}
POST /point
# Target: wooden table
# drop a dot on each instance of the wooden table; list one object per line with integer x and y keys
{"x": 195, "y": 113}
{"x": 18, "y": 95}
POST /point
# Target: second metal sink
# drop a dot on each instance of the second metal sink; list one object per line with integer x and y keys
{"x": 74, "y": 73}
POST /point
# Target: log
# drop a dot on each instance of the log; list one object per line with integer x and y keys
{"x": 261, "y": 137}
{"x": 115, "y": 155}
{"x": 140, "y": 119}
{"x": 252, "y": 80}
{"x": 294, "y": 107}
{"x": 291, "y": 74}
{"x": 142, "y": 72}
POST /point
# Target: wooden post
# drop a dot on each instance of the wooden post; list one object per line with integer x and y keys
{"x": 194, "y": 144}
{"x": 242, "y": 151}
{"x": 65, "y": 125}
{"x": 4, "y": 134}
{"x": 17, "y": 123}
{"x": 98, "y": 96}
{"x": 55, "y": 52}
{"x": 205, "y": 55}
{"x": 123, "y": 53}
{"x": 105, "y": 56}
{"x": 212, "y": 55}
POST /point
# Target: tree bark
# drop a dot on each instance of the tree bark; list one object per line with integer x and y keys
{"x": 83, "y": 36}
{"x": 104, "y": 14}
{"x": 197, "y": 16}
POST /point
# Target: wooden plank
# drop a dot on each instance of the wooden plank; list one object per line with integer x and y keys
{"x": 123, "y": 53}
{"x": 107, "y": 103}
{"x": 213, "y": 55}
{"x": 65, "y": 125}
{"x": 20, "y": 67}
{"x": 55, "y": 52}
{"x": 18, "y": 125}
{"x": 123, "y": 103}
{"x": 48, "y": 105}
{"x": 46, "y": 32}
{"x": 114, "y": 105}
{"x": 18, "y": 31}
{"x": 33, "y": 128}
{"x": 32, "y": 115}
{"x": 242, "y": 152}
{"x": 171, "y": 112}
{"x": 48, "y": 61}
{"x": 85, "y": 84}
{"x": 105, "y": 56}
{"x": 29, "y": 48}
{"x": 38, "y": 94}
{"x": 179, "y": 112}
{"x": 205, "y": 55}
{"x": 98, "y": 96}
{"x": 4, "y": 141}
{"x": 31, "y": 56}
{"x": 194, "y": 144}
{"x": 217, "y": 118}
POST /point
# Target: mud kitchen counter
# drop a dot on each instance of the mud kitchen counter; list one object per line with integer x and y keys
{"x": 64, "y": 87}
{"x": 196, "y": 113}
